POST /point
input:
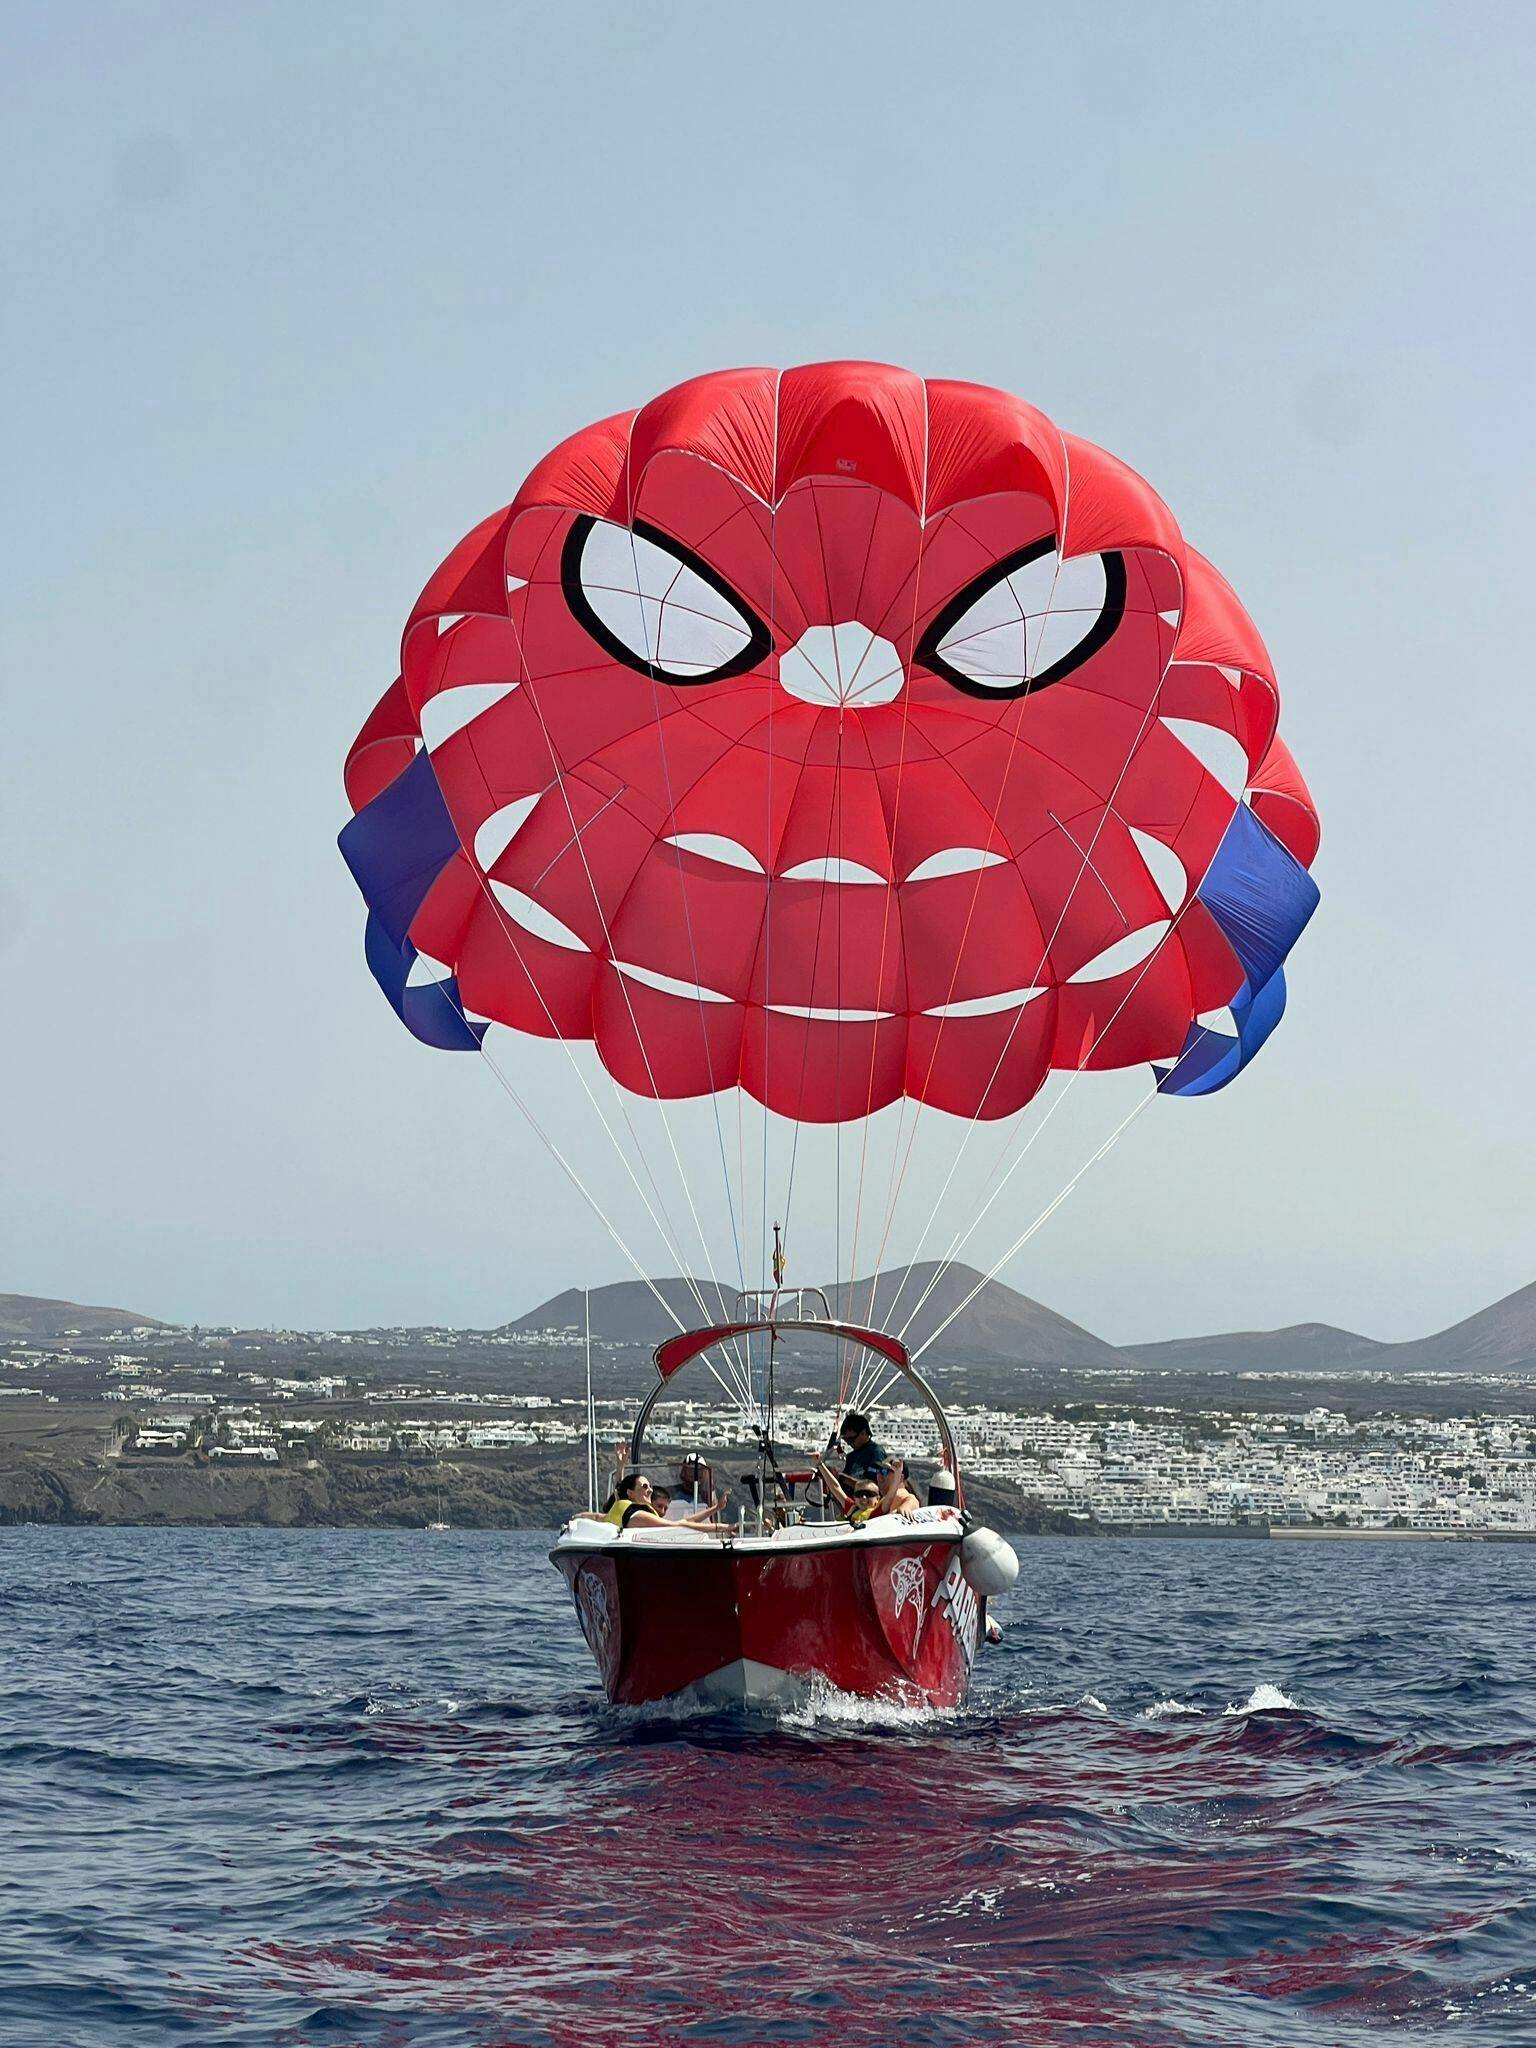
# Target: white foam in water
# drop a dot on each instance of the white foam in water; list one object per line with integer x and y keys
{"x": 823, "y": 1706}
{"x": 1266, "y": 1699}
{"x": 1091, "y": 1699}
{"x": 825, "y": 1703}
{"x": 1164, "y": 1710}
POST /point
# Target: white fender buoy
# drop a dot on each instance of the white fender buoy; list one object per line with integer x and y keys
{"x": 990, "y": 1564}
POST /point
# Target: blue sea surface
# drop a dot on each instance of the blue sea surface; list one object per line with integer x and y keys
{"x": 330, "y": 1787}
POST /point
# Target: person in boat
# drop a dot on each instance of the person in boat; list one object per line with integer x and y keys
{"x": 896, "y": 1493}
{"x": 863, "y": 1458}
{"x": 662, "y": 1503}
{"x": 862, "y": 1500}
{"x": 632, "y": 1508}
{"x": 858, "y": 1499}
{"x": 695, "y": 1482}
{"x": 629, "y": 1505}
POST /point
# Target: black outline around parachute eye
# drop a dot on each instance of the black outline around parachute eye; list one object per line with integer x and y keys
{"x": 759, "y": 639}
{"x": 953, "y": 612}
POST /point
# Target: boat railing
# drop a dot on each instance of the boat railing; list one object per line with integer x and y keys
{"x": 783, "y": 1304}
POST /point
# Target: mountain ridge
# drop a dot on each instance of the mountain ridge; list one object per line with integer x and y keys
{"x": 1000, "y": 1323}
{"x": 43, "y": 1315}
{"x": 1000, "y": 1326}
{"x": 1297, "y": 1344}
{"x": 1003, "y": 1325}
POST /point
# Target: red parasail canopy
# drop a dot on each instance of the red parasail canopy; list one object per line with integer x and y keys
{"x": 838, "y": 735}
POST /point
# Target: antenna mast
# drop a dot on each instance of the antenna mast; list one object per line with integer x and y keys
{"x": 591, "y": 1413}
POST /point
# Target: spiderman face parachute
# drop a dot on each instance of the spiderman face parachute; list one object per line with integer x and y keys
{"x": 842, "y": 739}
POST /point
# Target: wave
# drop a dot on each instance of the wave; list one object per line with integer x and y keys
{"x": 448, "y": 1839}
{"x": 1266, "y": 1699}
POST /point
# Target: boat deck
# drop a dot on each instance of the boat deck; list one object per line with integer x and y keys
{"x": 926, "y": 1525}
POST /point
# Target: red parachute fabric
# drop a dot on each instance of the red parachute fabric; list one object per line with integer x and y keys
{"x": 840, "y": 736}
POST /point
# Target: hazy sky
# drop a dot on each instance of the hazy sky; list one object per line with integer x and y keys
{"x": 295, "y": 294}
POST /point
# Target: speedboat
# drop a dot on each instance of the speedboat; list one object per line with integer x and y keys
{"x": 791, "y": 1594}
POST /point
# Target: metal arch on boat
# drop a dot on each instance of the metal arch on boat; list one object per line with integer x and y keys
{"x": 688, "y": 1345}
{"x": 677, "y": 1351}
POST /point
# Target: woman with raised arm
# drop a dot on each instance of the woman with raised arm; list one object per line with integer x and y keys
{"x": 631, "y": 1509}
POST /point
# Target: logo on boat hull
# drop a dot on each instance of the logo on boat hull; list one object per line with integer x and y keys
{"x": 907, "y": 1582}
{"x": 962, "y": 1610}
{"x": 595, "y": 1593}
{"x": 592, "y": 1611}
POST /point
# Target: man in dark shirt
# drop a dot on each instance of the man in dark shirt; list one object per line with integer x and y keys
{"x": 863, "y": 1458}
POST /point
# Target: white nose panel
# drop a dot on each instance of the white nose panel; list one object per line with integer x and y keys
{"x": 847, "y": 665}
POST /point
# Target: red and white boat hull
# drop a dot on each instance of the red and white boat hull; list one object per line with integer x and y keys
{"x": 879, "y": 1612}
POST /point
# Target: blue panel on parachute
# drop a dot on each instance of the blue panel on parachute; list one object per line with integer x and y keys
{"x": 1211, "y": 1059}
{"x": 396, "y": 847}
{"x": 1259, "y": 894}
{"x": 430, "y": 1011}
{"x": 1262, "y": 898}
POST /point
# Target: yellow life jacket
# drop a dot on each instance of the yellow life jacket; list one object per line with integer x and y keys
{"x": 622, "y": 1509}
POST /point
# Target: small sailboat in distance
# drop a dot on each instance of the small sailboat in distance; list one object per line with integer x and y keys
{"x": 439, "y": 1523}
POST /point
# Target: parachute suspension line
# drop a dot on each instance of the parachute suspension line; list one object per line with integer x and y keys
{"x": 846, "y": 687}
{"x": 565, "y": 1165}
{"x": 737, "y": 1392}
{"x": 902, "y": 1157}
{"x": 836, "y": 822}
{"x": 892, "y": 901}
{"x": 1024, "y": 1236}
{"x": 662, "y": 1222}
{"x": 675, "y": 1246}
{"x": 665, "y": 1229}
{"x": 805, "y": 1050}
{"x": 899, "y": 1174}
{"x": 961, "y": 1238}
{"x": 770, "y": 843}
{"x": 1050, "y": 1209}
{"x": 693, "y": 951}
{"x": 652, "y": 656}
{"x": 839, "y": 841}
{"x": 1105, "y": 811}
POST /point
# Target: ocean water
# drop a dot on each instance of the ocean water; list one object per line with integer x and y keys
{"x": 332, "y": 1787}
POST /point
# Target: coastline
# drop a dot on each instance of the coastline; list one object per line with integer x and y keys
{"x": 40, "y": 1492}
{"x": 62, "y": 1468}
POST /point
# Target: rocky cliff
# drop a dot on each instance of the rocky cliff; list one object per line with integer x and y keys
{"x": 78, "y": 1488}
